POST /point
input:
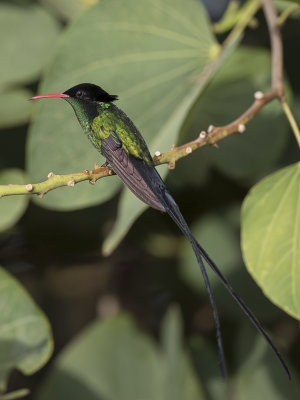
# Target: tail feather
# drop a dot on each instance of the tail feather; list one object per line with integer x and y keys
{"x": 177, "y": 217}
{"x": 174, "y": 212}
{"x": 243, "y": 307}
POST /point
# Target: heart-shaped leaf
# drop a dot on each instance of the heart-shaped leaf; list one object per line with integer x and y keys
{"x": 271, "y": 237}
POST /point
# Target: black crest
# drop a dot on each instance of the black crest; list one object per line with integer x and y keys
{"x": 90, "y": 92}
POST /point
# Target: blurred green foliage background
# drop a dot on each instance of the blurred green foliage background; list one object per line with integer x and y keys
{"x": 136, "y": 324}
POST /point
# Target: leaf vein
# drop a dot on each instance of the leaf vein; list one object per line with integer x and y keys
{"x": 272, "y": 222}
{"x": 18, "y": 322}
{"x": 295, "y": 286}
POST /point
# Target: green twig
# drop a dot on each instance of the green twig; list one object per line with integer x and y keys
{"x": 286, "y": 13}
{"x": 237, "y": 17}
{"x": 245, "y": 17}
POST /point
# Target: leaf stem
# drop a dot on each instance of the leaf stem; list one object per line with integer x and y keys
{"x": 291, "y": 119}
{"x": 55, "y": 181}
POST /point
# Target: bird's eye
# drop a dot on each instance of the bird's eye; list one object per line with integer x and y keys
{"x": 79, "y": 94}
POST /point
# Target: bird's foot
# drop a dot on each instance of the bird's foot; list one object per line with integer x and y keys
{"x": 105, "y": 165}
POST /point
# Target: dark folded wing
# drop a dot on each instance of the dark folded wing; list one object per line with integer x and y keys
{"x": 125, "y": 167}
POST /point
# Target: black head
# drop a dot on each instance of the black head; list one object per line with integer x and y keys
{"x": 90, "y": 92}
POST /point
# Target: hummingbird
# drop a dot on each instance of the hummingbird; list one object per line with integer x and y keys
{"x": 119, "y": 141}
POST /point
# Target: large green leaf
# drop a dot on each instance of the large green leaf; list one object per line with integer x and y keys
{"x": 271, "y": 237}
{"x": 27, "y": 33}
{"x": 150, "y": 53}
{"x": 114, "y": 360}
{"x": 25, "y": 335}
{"x": 12, "y": 207}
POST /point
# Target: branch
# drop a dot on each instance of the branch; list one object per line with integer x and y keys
{"x": 211, "y": 137}
{"x": 277, "y": 63}
{"x": 56, "y": 181}
{"x": 276, "y": 47}
{"x": 217, "y": 133}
